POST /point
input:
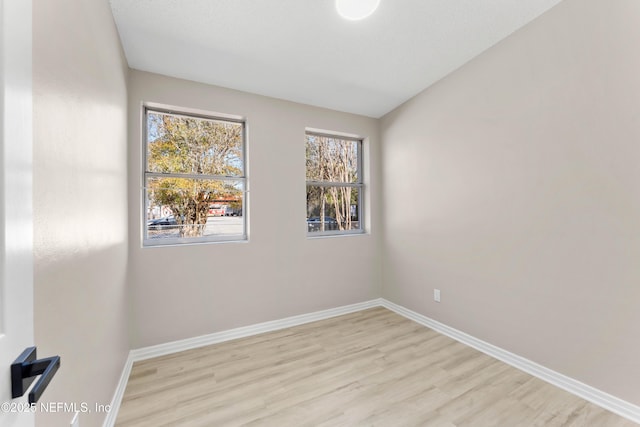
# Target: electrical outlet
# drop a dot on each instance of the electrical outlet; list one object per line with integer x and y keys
{"x": 75, "y": 422}
{"x": 436, "y": 295}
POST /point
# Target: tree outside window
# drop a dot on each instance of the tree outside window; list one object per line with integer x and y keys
{"x": 334, "y": 184}
{"x": 194, "y": 178}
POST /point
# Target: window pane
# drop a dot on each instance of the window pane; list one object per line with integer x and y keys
{"x": 179, "y": 144}
{"x": 332, "y": 159}
{"x": 194, "y": 208}
{"x": 340, "y": 206}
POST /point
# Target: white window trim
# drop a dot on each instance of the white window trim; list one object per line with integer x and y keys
{"x": 182, "y": 241}
{"x": 360, "y": 185}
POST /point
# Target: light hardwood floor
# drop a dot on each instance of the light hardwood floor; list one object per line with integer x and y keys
{"x": 370, "y": 368}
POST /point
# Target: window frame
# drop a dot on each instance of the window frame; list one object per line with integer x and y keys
{"x": 360, "y": 185}
{"x": 146, "y": 174}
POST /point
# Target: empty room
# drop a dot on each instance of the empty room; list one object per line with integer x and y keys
{"x": 320, "y": 213}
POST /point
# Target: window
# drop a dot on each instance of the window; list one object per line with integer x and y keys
{"x": 194, "y": 179}
{"x": 334, "y": 185}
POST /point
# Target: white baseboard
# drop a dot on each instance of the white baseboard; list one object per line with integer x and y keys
{"x": 110, "y": 419}
{"x": 593, "y": 395}
{"x": 218, "y": 337}
{"x": 598, "y": 397}
{"x": 247, "y": 331}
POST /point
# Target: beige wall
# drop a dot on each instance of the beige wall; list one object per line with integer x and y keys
{"x": 185, "y": 291}
{"x": 512, "y": 185}
{"x": 507, "y": 185}
{"x": 80, "y": 206}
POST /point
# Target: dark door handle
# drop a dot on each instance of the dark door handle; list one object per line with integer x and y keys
{"x": 26, "y": 368}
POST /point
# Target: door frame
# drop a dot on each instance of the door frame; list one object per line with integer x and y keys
{"x": 16, "y": 207}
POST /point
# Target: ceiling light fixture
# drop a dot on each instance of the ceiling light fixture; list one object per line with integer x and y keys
{"x": 354, "y": 10}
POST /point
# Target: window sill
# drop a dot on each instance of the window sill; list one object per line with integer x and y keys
{"x": 313, "y": 236}
{"x": 191, "y": 242}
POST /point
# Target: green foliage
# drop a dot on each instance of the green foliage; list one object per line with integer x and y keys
{"x": 197, "y": 147}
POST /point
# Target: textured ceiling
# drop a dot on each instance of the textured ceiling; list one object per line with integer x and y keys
{"x": 301, "y": 50}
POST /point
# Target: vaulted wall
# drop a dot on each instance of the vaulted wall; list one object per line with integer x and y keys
{"x": 512, "y": 186}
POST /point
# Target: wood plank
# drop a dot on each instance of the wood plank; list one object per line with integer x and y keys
{"x": 370, "y": 368}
